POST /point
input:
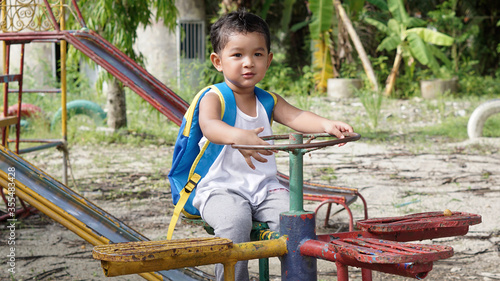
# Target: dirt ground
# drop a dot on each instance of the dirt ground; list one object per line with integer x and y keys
{"x": 395, "y": 178}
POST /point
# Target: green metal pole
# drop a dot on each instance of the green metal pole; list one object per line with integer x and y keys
{"x": 296, "y": 177}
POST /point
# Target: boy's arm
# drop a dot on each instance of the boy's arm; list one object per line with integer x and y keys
{"x": 219, "y": 132}
{"x": 306, "y": 121}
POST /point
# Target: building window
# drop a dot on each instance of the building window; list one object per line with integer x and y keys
{"x": 191, "y": 39}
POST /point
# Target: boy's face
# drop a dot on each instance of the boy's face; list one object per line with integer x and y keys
{"x": 243, "y": 61}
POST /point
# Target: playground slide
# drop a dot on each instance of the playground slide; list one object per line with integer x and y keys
{"x": 70, "y": 209}
{"x": 129, "y": 73}
{"x": 157, "y": 94}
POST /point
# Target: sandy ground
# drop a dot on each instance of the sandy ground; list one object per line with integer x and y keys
{"x": 396, "y": 179}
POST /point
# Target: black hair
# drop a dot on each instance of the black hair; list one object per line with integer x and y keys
{"x": 237, "y": 22}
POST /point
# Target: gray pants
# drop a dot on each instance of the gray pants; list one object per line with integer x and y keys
{"x": 231, "y": 217}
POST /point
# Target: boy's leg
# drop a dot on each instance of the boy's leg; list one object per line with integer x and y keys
{"x": 230, "y": 216}
{"x": 269, "y": 211}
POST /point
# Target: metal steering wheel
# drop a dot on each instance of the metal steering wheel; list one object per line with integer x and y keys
{"x": 308, "y": 145}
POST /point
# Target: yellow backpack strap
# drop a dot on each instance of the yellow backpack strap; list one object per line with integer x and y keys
{"x": 184, "y": 196}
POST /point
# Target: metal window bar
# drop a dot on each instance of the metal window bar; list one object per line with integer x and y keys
{"x": 191, "y": 36}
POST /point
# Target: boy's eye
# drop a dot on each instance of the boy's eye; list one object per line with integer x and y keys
{"x": 258, "y": 54}
{"x": 237, "y": 55}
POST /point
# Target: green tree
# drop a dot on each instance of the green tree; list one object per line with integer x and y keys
{"x": 118, "y": 21}
{"x": 445, "y": 18}
{"x": 410, "y": 39}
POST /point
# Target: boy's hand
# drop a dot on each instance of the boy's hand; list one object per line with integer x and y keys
{"x": 337, "y": 128}
{"x": 250, "y": 137}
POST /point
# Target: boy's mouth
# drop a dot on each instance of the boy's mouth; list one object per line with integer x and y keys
{"x": 248, "y": 75}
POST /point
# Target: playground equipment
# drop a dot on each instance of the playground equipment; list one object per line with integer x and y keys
{"x": 479, "y": 117}
{"x": 378, "y": 245}
{"x": 70, "y": 209}
{"x": 17, "y": 17}
{"x": 67, "y": 210}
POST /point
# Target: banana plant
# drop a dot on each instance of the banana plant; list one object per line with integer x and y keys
{"x": 322, "y": 11}
{"x": 321, "y": 27}
{"x": 411, "y": 40}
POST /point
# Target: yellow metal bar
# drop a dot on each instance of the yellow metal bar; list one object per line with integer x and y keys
{"x": 4, "y": 52}
{"x": 4, "y": 16}
{"x": 151, "y": 276}
{"x": 52, "y": 214}
{"x": 63, "y": 76}
{"x": 242, "y": 251}
{"x": 64, "y": 118}
{"x": 229, "y": 272}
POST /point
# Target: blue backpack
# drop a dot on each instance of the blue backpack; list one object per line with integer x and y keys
{"x": 190, "y": 163}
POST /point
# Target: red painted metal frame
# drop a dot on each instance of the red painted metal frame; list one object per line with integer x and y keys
{"x": 372, "y": 250}
{"x": 6, "y": 78}
{"x": 51, "y": 15}
{"x": 79, "y": 14}
{"x": 405, "y": 263}
{"x": 328, "y": 199}
{"x": 328, "y": 195}
{"x": 418, "y": 222}
{"x": 361, "y": 248}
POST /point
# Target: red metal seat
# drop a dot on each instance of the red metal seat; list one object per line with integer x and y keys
{"x": 418, "y": 222}
{"x": 371, "y": 250}
{"x": 403, "y": 259}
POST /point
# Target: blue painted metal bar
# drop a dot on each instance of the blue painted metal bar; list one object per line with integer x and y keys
{"x": 40, "y": 147}
{"x": 10, "y": 78}
{"x": 298, "y": 227}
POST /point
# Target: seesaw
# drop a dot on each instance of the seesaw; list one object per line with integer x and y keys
{"x": 380, "y": 244}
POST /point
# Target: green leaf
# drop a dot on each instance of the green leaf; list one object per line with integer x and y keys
{"x": 265, "y": 8}
{"x": 440, "y": 55}
{"x": 397, "y": 9}
{"x": 378, "y": 24}
{"x": 287, "y": 14}
{"x": 322, "y": 11}
{"x": 418, "y": 48}
{"x": 389, "y": 43}
{"x": 394, "y": 27}
{"x": 300, "y": 25}
{"x": 166, "y": 10}
{"x": 431, "y": 36}
{"x": 416, "y": 22}
{"x": 381, "y": 4}
{"x": 356, "y": 5}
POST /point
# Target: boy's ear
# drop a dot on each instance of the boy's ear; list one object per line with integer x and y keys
{"x": 216, "y": 61}
{"x": 269, "y": 59}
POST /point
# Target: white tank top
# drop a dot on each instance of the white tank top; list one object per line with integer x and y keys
{"x": 231, "y": 172}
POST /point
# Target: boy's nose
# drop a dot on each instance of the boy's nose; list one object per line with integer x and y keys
{"x": 248, "y": 62}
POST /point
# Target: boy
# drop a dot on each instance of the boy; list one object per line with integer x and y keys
{"x": 241, "y": 185}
